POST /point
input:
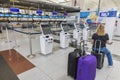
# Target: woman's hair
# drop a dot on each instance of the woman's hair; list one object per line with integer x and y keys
{"x": 100, "y": 30}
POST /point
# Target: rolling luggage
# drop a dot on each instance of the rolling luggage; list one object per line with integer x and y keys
{"x": 73, "y": 61}
{"x": 86, "y": 68}
{"x": 0, "y": 31}
{"x": 99, "y": 55}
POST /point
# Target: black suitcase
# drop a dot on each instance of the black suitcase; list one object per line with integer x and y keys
{"x": 99, "y": 55}
{"x": 0, "y": 30}
{"x": 73, "y": 61}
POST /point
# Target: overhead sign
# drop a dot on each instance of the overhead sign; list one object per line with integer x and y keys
{"x": 65, "y": 13}
{"x": 54, "y": 13}
{"x": 103, "y": 14}
{"x": 112, "y": 14}
{"x": 39, "y": 11}
{"x": 108, "y": 14}
{"x": 84, "y": 14}
{"x": 12, "y": 9}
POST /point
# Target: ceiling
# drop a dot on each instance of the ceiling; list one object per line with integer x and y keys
{"x": 66, "y": 5}
{"x": 47, "y": 5}
{"x": 104, "y": 4}
{"x": 90, "y": 4}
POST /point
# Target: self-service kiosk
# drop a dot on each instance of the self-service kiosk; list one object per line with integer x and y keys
{"x": 76, "y": 33}
{"x": 46, "y": 39}
{"x": 85, "y": 34}
{"x": 64, "y": 36}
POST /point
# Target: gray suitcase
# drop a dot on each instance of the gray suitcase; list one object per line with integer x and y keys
{"x": 99, "y": 55}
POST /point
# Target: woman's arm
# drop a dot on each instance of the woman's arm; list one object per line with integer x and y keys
{"x": 92, "y": 41}
{"x": 107, "y": 42}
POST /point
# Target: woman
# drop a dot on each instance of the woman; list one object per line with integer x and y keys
{"x": 104, "y": 38}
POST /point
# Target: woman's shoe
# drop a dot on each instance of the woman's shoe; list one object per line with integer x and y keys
{"x": 110, "y": 66}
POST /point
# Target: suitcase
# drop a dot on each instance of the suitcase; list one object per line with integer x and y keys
{"x": 0, "y": 31}
{"x": 99, "y": 55}
{"x": 86, "y": 68}
{"x": 100, "y": 59}
{"x": 73, "y": 61}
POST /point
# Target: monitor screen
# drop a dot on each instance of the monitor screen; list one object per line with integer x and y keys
{"x": 67, "y": 27}
{"x": 72, "y": 26}
{"x": 46, "y": 29}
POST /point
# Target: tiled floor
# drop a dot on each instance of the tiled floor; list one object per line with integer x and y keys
{"x": 54, "y": 66}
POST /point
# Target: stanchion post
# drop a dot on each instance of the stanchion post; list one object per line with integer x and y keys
{"x": 30, "y": 47}
{"x": 16, "y": 45}
{"x": 8, "y": 44}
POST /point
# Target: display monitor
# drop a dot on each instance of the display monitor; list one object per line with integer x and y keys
{"x": 71, "y": 25}
{"x": 46, "y": 29}
{"x": 67, "y": 27}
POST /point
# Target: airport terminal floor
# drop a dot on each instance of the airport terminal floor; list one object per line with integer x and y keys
{"x": 54, "y": 65}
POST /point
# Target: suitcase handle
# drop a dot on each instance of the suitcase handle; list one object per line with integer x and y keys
{"x": 99, "y": 45}
{"x": 82, "y": 48}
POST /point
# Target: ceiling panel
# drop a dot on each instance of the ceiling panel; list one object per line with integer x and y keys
{"x": 84, "y": 4}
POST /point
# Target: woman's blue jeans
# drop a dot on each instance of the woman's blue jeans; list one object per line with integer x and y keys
{"x": 108, "y": 54}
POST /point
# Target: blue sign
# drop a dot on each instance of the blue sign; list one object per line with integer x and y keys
{"x": 25, "y": 16}
{"x": 13, "y": 15}
{"x": 65, "y": 13}
{"x": 112, "y": 14}
{"x": 12, "y": 9}
{"x": 35, "y": 16}
{"x": 7, "y": 15}
{"x": 39, "y": 11}
{"x": 46, "y": 16}
{"x": 89, "y": 21}
{"x": 1, "y": 15}
{"x": 29, "y": 16}
{"x": 54, "y": 13}
{"x": 84, "y": 14}
{"x": 103, "y": 14}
